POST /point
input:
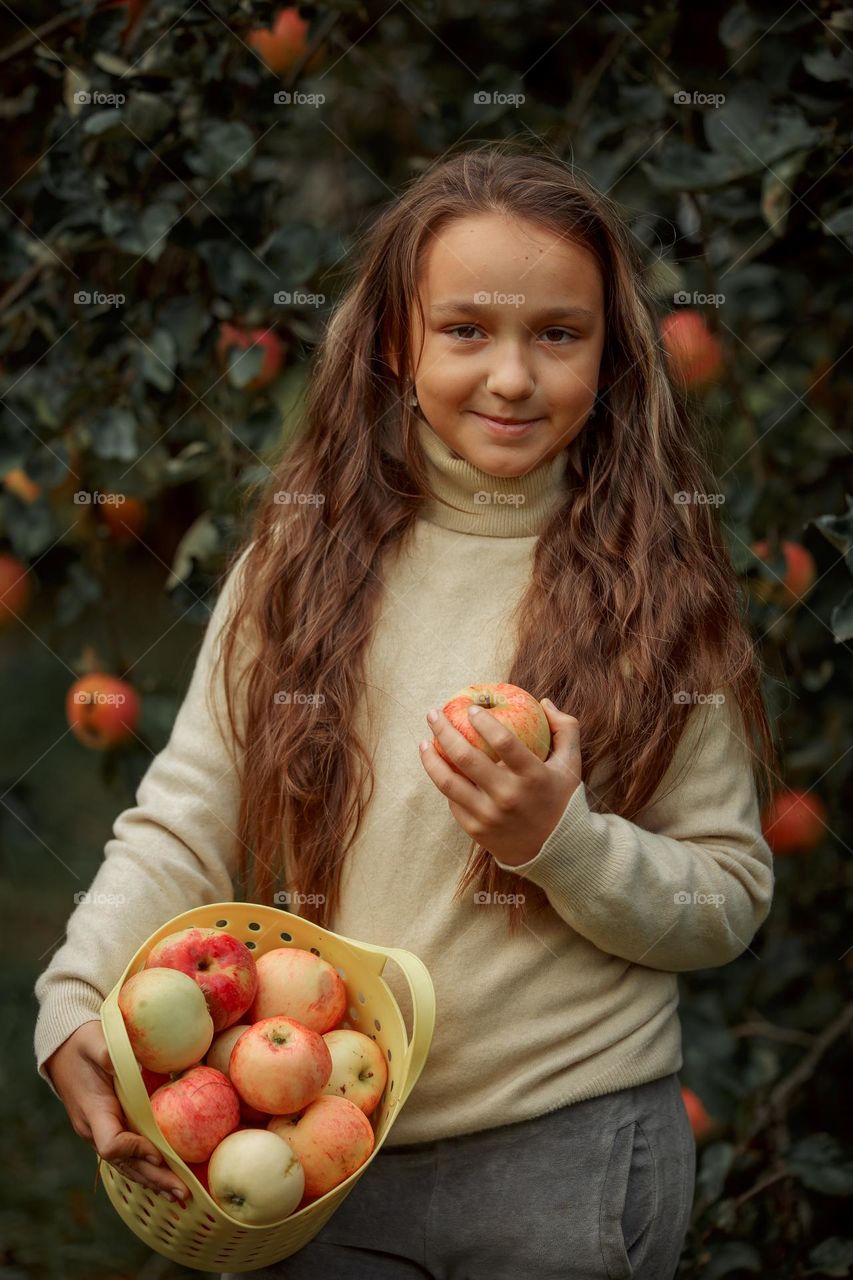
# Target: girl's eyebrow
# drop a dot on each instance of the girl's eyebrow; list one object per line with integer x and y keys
{"x": 456, "y": 305}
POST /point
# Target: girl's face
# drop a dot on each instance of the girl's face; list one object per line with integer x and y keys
{"x": 514, "y": 330}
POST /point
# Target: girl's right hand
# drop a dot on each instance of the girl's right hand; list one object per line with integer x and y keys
{"x": 82, "y": 1074}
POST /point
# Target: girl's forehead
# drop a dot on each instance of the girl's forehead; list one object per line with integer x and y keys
{"x": 495, "y": 253}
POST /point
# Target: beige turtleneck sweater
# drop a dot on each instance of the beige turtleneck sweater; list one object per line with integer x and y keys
{"x": 583, "y": 1004}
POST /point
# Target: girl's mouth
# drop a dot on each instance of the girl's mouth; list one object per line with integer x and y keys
{"x": 511, "y": 429}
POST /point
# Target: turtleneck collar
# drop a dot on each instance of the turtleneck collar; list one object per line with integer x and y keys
{"x": 513, "y": 507}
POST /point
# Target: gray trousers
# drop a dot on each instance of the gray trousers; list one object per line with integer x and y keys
{"x": 599, "y": 1188}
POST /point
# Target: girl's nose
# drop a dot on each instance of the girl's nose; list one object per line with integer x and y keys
{"x": 510, "y": 378}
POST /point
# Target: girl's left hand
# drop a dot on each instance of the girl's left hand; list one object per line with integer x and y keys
{"x": 509, "y": 806}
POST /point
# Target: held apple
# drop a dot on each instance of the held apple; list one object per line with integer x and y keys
{"x": 513, "y": 707}
{"x": 359, "y": 1070}
{"x": 167, "y": 1020}
{"x": 297, "y": 984}
{"x": 196, "y": 1111}
{"x": 221, "y": 964}
{"x": 332, "y": 1139}
{"x": 256, "y": 1177}
{"x": 279, "y": 1065}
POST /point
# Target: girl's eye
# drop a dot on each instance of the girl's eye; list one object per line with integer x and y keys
{"x": 472, "y": 328}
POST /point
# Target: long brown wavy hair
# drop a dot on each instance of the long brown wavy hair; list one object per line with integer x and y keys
{"x": 632, "y": 599}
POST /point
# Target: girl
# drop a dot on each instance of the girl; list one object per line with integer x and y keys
{"x": 490, "y": 486}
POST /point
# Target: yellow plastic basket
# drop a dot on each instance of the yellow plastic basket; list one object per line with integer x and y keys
{"x": 200, "y": 1234}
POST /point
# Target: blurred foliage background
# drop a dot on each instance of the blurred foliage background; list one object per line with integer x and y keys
{"x": 172, "y": 236}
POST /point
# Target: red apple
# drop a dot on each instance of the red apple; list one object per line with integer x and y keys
{"x": 14, "y": 589}
{"x": 359, "y": 1069}
{"x": 279, "y": 1065}
{"x": 800, "y": 574}
{"x": 282, "y": 45}
{"x": 694, "y": 354}
{"x": 196, "y": 1111}
{"x": 300, "y": 985}
{"x": 221, "y": 964}
{"x": 102, "y": 710}
{"x": 125, "y": 519}
{"x": 167, "y": 1020}
{"x": 255, "y": 1176}
{"x": 231, "y": 337}
{"x": 332, "y": 1139}
{"x": 153, "y": 1080}
{"x": 794, "y": 822}
{"x": 513, "y": 707}
{"x": 700, "y": 1122}
{"x": 200, "y": 1169}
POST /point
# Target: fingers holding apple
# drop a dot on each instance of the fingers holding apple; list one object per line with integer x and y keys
{"x": 509, "y": 807}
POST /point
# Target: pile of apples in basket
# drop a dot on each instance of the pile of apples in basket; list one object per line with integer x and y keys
{"x": 252, "y": 1081}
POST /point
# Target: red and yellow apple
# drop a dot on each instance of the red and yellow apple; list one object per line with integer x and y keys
{"x": 219, "y": 1053}
{"x": 102, "y": 710}
{"x": 221, "y": 964}
{"x": 359, "y": 1069}
{"x": 196, "y": 1111}
{"x": 516, "y": 709}
{"x": 332, "y": 1138}
{"x": 279, "y": 1065}
{"x": 794, "y": 822}
{"x": 167, "y": 1019}
{"x": 297, "y": 984}
{"x": 255, "y": 1176}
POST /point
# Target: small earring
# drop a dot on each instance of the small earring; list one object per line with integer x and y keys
{"x": 413, "y": 398}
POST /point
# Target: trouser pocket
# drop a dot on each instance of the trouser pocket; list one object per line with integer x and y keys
{"x": 628, "y": 1201}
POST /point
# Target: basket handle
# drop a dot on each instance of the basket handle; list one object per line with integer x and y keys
{"x": 423, "y": 1009}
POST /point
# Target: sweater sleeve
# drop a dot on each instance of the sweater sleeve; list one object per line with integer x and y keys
{"x": 686, "y": 886}
{"x": 175, "y": 849}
